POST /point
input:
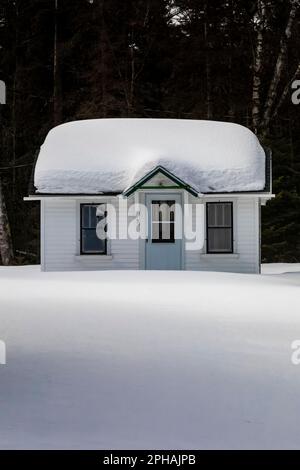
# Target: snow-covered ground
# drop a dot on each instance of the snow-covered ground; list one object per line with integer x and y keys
{"x": 280, "y": 268}
{"x": 149, "y": 359}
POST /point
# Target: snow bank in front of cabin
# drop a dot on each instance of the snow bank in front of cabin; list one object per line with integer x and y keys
{"x": 280, "y": 268}
{"x": 101, "y": 155}
{"x": 148, "y": 360}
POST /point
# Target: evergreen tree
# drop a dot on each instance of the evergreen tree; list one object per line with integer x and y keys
{"x": 225, "y": 60}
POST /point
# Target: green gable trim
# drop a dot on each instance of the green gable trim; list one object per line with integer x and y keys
{"x": 159, "y": 169}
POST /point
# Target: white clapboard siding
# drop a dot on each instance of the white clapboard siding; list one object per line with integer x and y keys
{"x": 61, "y": 244}
{"x": 60, "y": 239}
{"x": 246, "y": 256}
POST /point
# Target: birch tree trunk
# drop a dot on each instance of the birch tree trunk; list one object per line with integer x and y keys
{"x": 279, "y": 68}
{"x": 257, "y": 69}
{"x": 6, "y": 250}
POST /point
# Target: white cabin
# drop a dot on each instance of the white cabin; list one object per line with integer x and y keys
{"x": 151, "y": 194}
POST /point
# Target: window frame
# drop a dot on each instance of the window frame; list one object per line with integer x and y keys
{"x": 93, "y": 253}
{"x": 159, "y": 222}
{"x": 213, "y": 252}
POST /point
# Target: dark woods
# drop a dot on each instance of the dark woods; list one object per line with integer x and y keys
{"x": 230, "y": 60}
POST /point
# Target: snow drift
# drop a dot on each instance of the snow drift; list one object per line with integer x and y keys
{"x": 110, "y": 155}
{"x": 150, "y": 360}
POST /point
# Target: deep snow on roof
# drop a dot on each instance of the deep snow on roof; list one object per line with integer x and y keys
{"x": 110, "y": 155}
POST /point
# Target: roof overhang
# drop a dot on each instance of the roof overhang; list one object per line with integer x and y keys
{"x": 39, "y": 197}
{"x": 263, "y": 195}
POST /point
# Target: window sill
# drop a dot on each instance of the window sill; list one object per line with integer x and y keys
{"x": 93, "y": 257}
{"x": 220, "y": 255}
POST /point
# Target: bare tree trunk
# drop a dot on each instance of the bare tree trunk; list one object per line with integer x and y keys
{"x": 14, "y": 100}
{"x": 134, "y": 67}
{"x": 209, "y": 113}
{"x": 6, "y": 250}
{"x": 207, "y": 66}
{"x": 132, "y": 76}
{"x": 258, "y": 62}
{"x": 231, "y": 107}
{"x": 279, "y": 68}
{"x": 102, "y": 71}
{"x": 56, "y": 72}
{"x": 103, "y": 64}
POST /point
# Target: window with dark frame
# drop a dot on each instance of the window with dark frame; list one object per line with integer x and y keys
{"x": 163, "y": 222}
{"x": 90, "y": 215}
{"x": 219, "y": 223}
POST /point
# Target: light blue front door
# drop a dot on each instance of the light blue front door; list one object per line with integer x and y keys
{"x": 163, "y": 247}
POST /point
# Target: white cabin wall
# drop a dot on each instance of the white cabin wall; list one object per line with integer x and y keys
{"x": 59, "y": 234}
{"x": 61, "y": 240}
{"x": 245, "y": 258}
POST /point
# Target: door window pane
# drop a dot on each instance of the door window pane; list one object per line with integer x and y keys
{"x": 155, "y": 231}
{"x": 155, "y": 212}
{"x": 163, "y": 221}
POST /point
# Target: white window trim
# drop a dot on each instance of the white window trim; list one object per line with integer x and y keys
{"x": 98, "y": 257}
{"x": 220, "y": 255}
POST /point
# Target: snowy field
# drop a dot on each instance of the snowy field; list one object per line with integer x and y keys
{"x": 177, "y": 360}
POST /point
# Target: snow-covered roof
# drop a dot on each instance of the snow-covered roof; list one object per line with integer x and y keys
{"x": 111, "y": 155}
